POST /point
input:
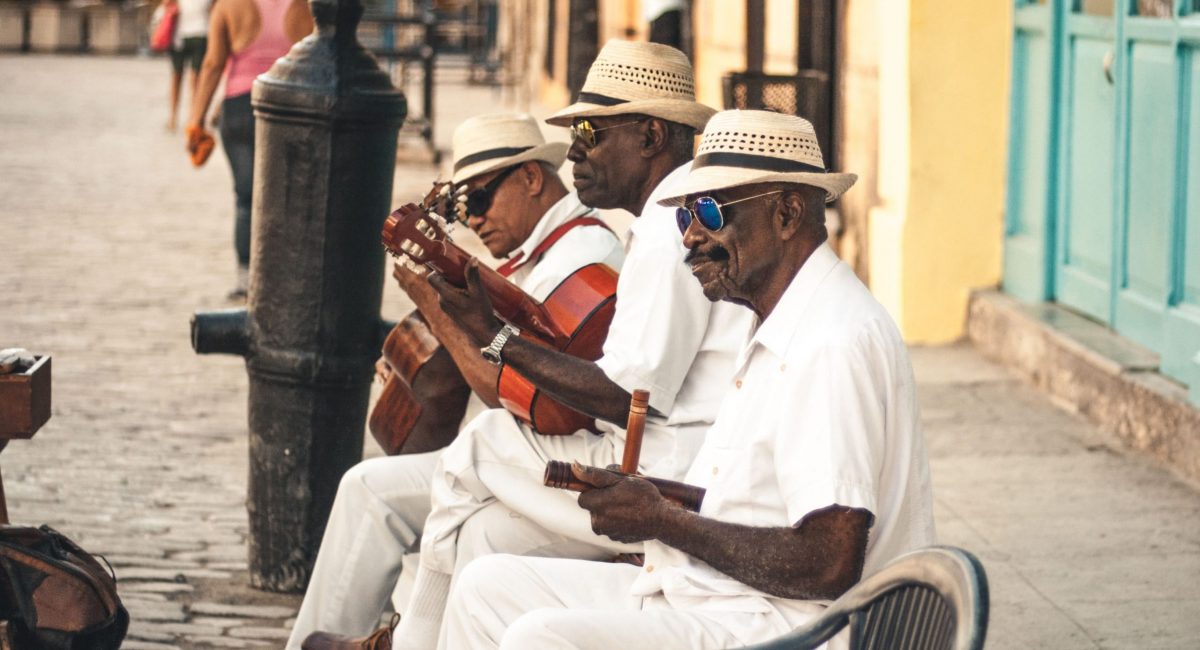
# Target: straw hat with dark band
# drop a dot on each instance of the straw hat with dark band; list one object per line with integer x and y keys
{"x": 748, "y": 147}
{"x": 489, "y": 142}
{"x": 636, "y": 77}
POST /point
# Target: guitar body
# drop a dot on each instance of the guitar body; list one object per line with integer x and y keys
{"x": 573, "y": 319}
{"x": 425, "y": 395}
{"x": 582, "y": 305}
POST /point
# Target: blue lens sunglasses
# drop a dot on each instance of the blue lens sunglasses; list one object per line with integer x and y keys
{"x": 707, "y": 211}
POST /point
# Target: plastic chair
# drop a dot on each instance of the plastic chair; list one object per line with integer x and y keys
{"x": 931, "y": 599}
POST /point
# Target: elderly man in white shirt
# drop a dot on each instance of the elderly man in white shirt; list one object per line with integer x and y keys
{"x": 815, "y": 469}
{"x": 633, "y": 140}
{"x": 515, "y": 201}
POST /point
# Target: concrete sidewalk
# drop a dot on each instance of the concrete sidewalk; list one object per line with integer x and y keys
{"x": 109, "y": 240}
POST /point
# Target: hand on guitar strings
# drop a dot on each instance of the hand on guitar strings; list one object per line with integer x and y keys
{"x": 415, "y": 283}
{"x": 625, "y": 508}
{"x": 471, "y": 307}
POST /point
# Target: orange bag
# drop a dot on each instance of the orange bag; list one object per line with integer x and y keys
{"x": 199, "y": 144}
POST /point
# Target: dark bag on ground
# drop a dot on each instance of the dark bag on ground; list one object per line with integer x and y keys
{"x": 55, "y": 595}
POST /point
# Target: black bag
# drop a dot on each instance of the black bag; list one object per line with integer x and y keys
{"x": 55, "y": 595}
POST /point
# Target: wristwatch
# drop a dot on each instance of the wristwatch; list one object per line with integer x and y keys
{"x": 492, "y": 351}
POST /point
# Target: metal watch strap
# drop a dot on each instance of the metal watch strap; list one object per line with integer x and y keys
{"x": 492, "y": 351}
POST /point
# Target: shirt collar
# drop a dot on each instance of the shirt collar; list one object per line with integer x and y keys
{"x": 567, "y": 208}
{"x": 781, "y": 325}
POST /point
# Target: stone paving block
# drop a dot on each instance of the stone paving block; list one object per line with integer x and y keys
{"x": 213, "y": 621}
{"x": 244, "y": 611}
{"x": 155, "y": 612}
{"x": 227, "y": 642}
{"x": 146, "y": 645}
{"x": 157, "y": 587}
{"x": 182, "y": 630}
{"x": 267, "y": 633}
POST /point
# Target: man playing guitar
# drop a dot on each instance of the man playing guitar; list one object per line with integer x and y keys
{"x": 505, "y": 179}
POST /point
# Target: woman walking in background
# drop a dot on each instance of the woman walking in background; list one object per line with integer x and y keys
{"x": 249, "y": 35}
{"x": 187, "y": 47}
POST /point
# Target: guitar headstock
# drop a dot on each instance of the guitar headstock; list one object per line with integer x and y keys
{"x": 412, "y": 232}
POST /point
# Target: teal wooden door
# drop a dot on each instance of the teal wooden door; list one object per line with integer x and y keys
{"x": 1112, "y": 229}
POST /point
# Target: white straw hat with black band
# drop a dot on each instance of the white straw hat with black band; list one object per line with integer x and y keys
{"x": 748, "y": 147}
{"x": 486, "y": 143}
{"x": 634, "y": 77}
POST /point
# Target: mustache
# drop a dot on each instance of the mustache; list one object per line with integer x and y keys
{"x": 717, "y": 253}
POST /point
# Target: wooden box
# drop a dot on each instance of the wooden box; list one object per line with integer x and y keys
{"x": 25, "y": 400}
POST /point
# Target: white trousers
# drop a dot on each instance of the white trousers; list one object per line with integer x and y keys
{"x": 517, "y": 603}
{"x": 377, "y": 516}
{"x": 496, "y": 459}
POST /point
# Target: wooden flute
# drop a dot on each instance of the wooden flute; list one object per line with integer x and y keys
{"x": 559, "y": 475}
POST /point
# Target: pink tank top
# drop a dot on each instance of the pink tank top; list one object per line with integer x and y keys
{"x": 258, "y": 57}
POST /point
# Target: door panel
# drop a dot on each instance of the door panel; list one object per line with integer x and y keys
{"x": 1085, "y": 229}
{"x": 1029, "y": 177}
{"x": 1150, "y": 205}
{"x": 1181, "y": 349}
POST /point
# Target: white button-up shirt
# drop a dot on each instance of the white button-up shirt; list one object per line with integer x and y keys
{"x": 821, "y": 410}
{"x": 666, "y": 337}
{"x": 580, "y": 246}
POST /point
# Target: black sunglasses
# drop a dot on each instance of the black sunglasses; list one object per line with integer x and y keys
{"x": 479, "y": 200}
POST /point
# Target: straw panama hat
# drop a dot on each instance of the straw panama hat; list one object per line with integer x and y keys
{"x": 636, "y": 77}
{"x": 747, "y": 147}
{"x": 486, "y": 143}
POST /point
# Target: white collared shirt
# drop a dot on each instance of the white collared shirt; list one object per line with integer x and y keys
{"x": 821, "y": 410}
{"x": 580, "y": 246}
{"x": 666, "y": 337}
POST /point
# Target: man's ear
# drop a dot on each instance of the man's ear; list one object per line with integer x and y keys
{"x": 654, "y": 137}
{"x": 534, "y": 177}
{"x": 789, "y": 214}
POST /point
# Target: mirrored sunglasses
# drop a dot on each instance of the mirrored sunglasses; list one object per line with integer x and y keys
{"x": 479, "y": 200}
{"x": 708, "y": 212}
{"x": 583, "y": 130}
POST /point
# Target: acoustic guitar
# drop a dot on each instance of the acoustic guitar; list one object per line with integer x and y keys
{"x": 573, "y": 319}
{"x": 424, "y": 395}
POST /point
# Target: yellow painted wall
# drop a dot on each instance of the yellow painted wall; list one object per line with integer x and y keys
{"x": 952, "y": 235}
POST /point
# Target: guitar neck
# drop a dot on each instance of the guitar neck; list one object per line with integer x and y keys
{"x": 508, "y": 300}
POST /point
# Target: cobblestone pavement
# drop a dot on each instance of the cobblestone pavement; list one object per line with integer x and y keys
{"x": 109, "y": 241}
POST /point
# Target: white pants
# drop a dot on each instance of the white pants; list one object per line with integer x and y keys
{"x": 517, "y": 603}
{"x": 496, "y": 459}
{"x": 377, "y": 516}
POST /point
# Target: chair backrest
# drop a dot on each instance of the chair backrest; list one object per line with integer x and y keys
{"x": 931, "y": 599}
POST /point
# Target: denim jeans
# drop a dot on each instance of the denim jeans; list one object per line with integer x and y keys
{"x": 237, "y": 138}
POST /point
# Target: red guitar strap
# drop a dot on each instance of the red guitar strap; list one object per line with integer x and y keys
{"x": 519, "y": 260}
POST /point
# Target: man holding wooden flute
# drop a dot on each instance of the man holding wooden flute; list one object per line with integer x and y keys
{"x": 815, "y": 469}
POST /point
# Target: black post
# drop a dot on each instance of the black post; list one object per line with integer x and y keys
{"x": 327, "y": 122}
{"x": 584, "y": 42}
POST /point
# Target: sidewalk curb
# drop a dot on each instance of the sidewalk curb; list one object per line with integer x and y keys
{"x": 1092, "y": 371}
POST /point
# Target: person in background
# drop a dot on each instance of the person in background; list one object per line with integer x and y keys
{"x": 248, "y": 36}
{"x": 187, "y": 48}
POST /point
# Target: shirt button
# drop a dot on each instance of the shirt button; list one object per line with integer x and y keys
{"x": 783, "y": 368}
{"x": 738, "y": 383}
{"x": 714, "y": 470}
{"x": 649, "y": 568}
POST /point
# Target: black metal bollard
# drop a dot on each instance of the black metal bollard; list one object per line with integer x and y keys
{"x": 325, "y": 149}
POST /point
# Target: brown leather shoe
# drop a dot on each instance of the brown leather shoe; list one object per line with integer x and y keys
{"x": 380, "y": 639}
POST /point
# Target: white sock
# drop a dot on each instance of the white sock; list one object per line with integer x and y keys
{"x": 422, "y": 619}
